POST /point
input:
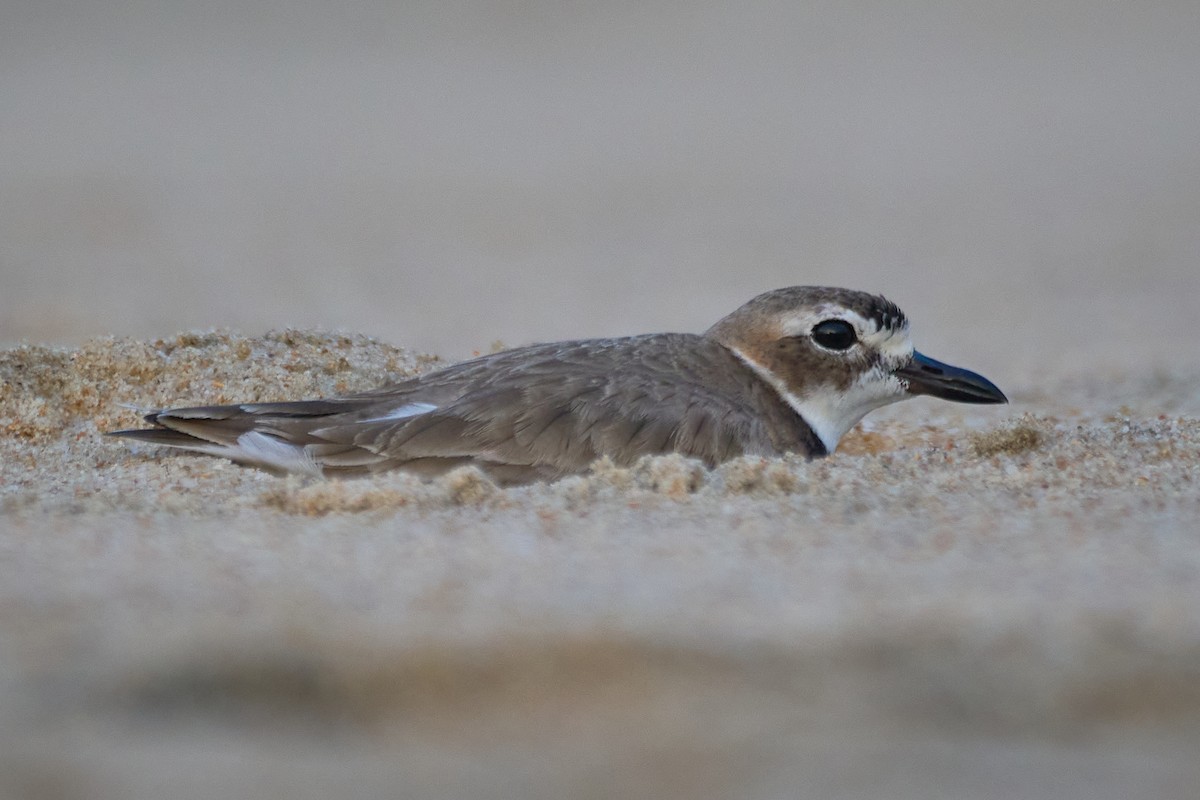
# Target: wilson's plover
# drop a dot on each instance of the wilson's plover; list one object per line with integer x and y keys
{"x": 791, "y": 371}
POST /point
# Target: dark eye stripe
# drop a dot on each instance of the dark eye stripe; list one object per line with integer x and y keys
{"x": 834, "y": 334}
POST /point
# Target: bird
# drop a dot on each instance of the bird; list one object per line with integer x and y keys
{"x": 789, "y": 372}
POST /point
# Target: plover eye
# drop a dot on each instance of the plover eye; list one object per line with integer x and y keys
{"x": 834, "y": 334}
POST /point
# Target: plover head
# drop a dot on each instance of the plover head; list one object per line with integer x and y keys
{"x": 835, "y": 354}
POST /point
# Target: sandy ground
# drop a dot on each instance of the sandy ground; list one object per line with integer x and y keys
{"x": 960, "y": 603}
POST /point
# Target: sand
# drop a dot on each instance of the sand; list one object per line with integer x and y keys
{"x": 962, "y": 602}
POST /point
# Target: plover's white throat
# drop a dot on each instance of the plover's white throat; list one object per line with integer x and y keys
{"x": 791, "y": 371}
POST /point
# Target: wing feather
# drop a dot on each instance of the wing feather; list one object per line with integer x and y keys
{"x": 535, "y": 412}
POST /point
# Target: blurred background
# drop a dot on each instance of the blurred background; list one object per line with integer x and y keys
{"x": 1023, "y": 178}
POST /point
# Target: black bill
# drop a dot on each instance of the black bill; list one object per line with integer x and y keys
{"x": 927, "y": 376}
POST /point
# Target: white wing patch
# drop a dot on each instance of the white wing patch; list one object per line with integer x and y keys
{"x": 404, "y": 411}
{"x": 271, "y": 451}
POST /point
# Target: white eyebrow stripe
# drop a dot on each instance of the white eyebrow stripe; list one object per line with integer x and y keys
{"x": 404, "y": 412}
{"x": 801, "y": 322}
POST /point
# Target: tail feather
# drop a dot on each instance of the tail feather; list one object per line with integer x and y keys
{"x": 164, "y": 437}
{"x": 295, "y": 409}
{"x": 292, "y": 441}
{"x": 272, "y": 436}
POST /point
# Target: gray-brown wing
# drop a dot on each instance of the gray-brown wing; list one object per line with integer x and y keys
{"x": 559, "y": 407}
{"x": 536, "y": 412}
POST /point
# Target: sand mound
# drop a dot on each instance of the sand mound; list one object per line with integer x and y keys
{"x": 958, "y": 593}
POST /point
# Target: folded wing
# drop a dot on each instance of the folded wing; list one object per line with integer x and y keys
{"x": 533, "y": 413}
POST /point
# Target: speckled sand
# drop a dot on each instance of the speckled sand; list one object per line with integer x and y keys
{"x": 962, "y": 602}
